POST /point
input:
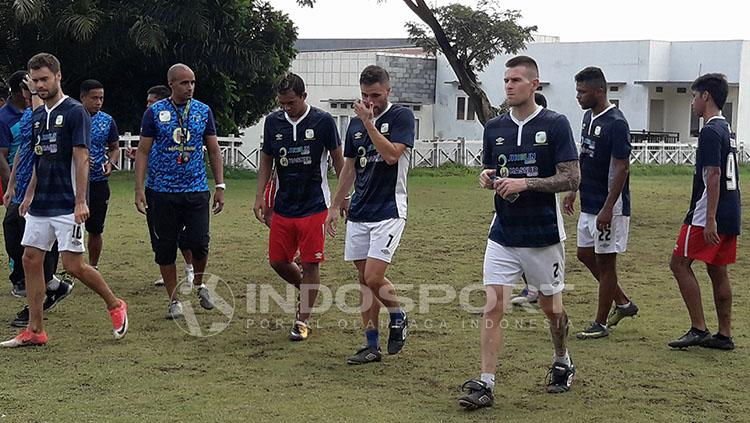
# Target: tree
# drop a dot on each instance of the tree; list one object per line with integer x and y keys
{"x": 237, "y": 48}
{"x": 469, "y": 39}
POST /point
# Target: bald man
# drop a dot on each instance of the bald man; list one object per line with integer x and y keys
{"x": 176, "y": 194}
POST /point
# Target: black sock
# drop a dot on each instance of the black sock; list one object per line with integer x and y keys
{"x": 698, "y": 330}
{"x": 721, "y": 337}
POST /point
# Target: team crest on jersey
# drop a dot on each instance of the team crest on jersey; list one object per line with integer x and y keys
{"x": 59, "y": 120}
{"x": 279, "y": 137}
{"x": 499, "y": 140}
{"x": 309, "y": 134}
{"x": 732, "y": 142}
{"x": 37, "y": 125}
{"x": 384, "y": 128}
{"x": 165, "y": 116}
{"x": 598, "y": 131}
{"x": 541, "y": 137}
{"x": 357, "y": 135}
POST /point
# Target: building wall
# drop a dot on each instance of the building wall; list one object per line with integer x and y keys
{"x": 412, "y": 78}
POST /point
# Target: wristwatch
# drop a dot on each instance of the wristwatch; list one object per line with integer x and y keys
{"x": 221, "y": 186}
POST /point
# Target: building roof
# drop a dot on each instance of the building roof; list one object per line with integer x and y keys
{"x": 331, "y": 44}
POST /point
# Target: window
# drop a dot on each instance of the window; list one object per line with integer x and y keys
{"x": 334, "y": 105}
{"x": 726, "y": 111}
{"x": 416, "y": 128}
{"x": 695, "y": 124}
{"x": 417, "y": 108}
{"x": 614, "y": 88}
{"x": 681, "y": 90}
{"x": 461, "y": 108}
{"x": 470, "y": 113}
{"x": 659, "y": 89}
{"x": 616, "y": 103}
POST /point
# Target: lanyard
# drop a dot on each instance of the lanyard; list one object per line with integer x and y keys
{"x": 182, "y": 120}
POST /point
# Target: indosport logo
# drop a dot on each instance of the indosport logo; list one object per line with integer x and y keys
{"x": 197, "y": 321}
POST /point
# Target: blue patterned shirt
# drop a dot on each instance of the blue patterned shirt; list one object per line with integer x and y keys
{"x": 103, "y": 133}
{"x": 25, "y": 165}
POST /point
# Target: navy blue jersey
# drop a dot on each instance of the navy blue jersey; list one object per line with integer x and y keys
{"x": 103, "y": 132}
{"x": 168, "y": 171}
{"x": 300, "y": 150}
{"x": 715, "y": 148}
{"x": 10, "y": 133}
{"x": 604, "y": 137}
{"x": 528, "y": 149}
{"x": 25, "y": 154}
{"x": 380, "y": 188}
{"x": 55, "y": 132}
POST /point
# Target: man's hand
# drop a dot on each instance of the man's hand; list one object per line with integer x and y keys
{"x": 344, "y": 211}
{"x": 507, "y": 186}
{"x": 604, "y": 219}
{"x": 81, "y": 212}
{"x": 218, "y": 200}
{"x": 8, "y": 196}
{"x": 568, "y": 201}
{"x": 130, "y": 153}
{"x": 29, "y": 83}
{"x": 260, "y": 210}
{"x": 332, "y": 221}
{"x": 710, "y": 232}
{"x": 486, "y": 177}
{"x": 107, "y": 168}
{"x": 140, "y": 201}
{"x": 363, "y": 110}
{"x": 24, "y": 207}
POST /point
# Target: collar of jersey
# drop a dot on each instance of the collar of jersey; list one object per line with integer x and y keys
{"x": 301, "y": 118}
{"x": 593, "y": 118}
{"x": 388, "y": 107}
{"x": 715, "y": 117}
{"x": 59, "y": 102}
{"x": 525, "y": 121}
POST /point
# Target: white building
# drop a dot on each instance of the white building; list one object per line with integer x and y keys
{"x": 649, "y": 80}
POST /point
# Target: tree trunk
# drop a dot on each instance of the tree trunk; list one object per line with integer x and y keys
{"x": 466, "y": 77}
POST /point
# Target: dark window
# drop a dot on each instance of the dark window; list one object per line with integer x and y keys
{"x": 461, "y": 108}
{"x": 614, "y": 88}
{"x": 416, "y": 129}
{"x": 681, "y": 90}
{"x": 417, "y": 108}
{"x": 659, "y": 89}
{"x": 726, "y": 111}
{"x": 695, "y": 124}
{"x": 471, "y": 112}
{"x": 334, "y": 105}
{"x": 616, "y": 103}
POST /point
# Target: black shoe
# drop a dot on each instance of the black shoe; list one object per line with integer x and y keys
{"x": 22, "y": 318}
{"x": 365, "y": 355}
{"x": 595, "y": 331}
{"x": 691, "y": 338}
{"x": 478, "y": 395}
{"x": 719, "y": 342}
{"x": 54, "y": 297}
{"x": 397, "y": 335}
{"x": 560, "y": 377}
{"x": 18, "y": 290}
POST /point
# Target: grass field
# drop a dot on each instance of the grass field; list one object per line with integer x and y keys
{"x": 250, "y": 372}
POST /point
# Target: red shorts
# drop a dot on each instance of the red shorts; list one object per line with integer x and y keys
{"x": 288, "y": 234}
{"x": 691, "y": 244}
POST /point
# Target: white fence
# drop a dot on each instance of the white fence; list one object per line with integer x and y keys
{"x": 459, "y": 152}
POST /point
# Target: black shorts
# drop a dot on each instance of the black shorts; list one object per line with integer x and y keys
{"x": 98, "y": 203}
{"x": 180, "y": 215}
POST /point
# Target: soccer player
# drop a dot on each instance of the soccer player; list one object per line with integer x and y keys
{"x": 529, "y": 156}
{"x": 377, "y": 148}
{"x": 103, "y": 154}
{"x": 14, "y": 223}
{"x": 298, "y": 138}
{"x": 10, "y": 117}
{"x": 176, "y": 195}
{"x": 712, "y": 224}
{"x": 55, "y": 201}
{"x": 605, "y": 198}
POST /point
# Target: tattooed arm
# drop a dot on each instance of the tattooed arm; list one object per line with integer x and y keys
{"x": 566, "y": 178}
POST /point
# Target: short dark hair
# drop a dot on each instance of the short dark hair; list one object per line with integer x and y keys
{"x": 592, "y": 76}
{"x": 42, "y": 60}
{"x": 15, "y": 81}
{"x": 291, "y": 82}
{"x": 160, "y": 91}
{"x": 527, "y": 61}
{"x": 374, "y": 74}
{"x": 90, "y": 84}
{"x": 715, "y": 84}
{"x": 540, "y": 99}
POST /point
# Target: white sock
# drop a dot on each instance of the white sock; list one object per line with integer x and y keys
{"x": 201, "y": 286}
{"x": 562, "y": 360}
{"x": 188, "y": 267}
{"x": 489, "y": 379}
{"x": 624, "y": 305}
{"x": 53, "y": 283}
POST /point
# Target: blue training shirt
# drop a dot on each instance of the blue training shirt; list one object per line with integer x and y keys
{"x": 300, "y": 151}
{"x": 103, "y": 132}
{"x": 10, "y": 129}
{"x": 716, "y": 148}
{"x": 603, "y": 138}
{"x": 528, "y": 149}
{"x": 25, "y": 165}
{"x": 160, "y": 122}
{"x": 55, "y": 132}
{"x": 380, "y": 188}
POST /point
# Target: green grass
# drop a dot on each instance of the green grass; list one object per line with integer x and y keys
{"x": 251, "y": 372}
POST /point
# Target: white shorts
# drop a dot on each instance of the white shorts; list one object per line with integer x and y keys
{"x": 378, "y": 240}
{"x": 544, "y": 267}
{"x": 42, "y": 232}
{"x": 612, "y": 240}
